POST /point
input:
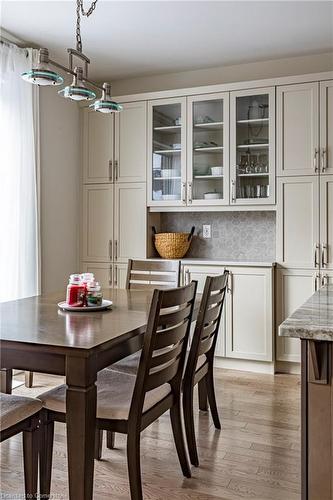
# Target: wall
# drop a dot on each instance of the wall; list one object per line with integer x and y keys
{"x": 59, "y": 160}
{"x": 247, "y": 236}
{"x": 236, "y": 73}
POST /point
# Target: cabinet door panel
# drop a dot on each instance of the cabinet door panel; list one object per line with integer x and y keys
{"x": 131, "y": 142}
{"x": 297, "y": 128}
{"x": 102, "y": 272}
{"x": 293, "y": 288}
{"x": 130, "y": 222}
{"x": 326, "y": 126}
{"x": 326, "y": 221}
{"x": 97, "y": 147}
{"x": 298, "y": 221}
{"x": 97, "y": 227}
{"x": 249, "y": 314}
{"x": 120, "y": 275}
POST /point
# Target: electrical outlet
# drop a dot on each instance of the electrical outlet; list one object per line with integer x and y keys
{"x": 206, "y": 231}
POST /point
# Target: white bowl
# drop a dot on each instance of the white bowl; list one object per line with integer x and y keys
{"x": 216, "y": 170}
{"x": 212, "y": 196}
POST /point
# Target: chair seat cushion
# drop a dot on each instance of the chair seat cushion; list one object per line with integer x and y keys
{"x": 15, "y": 409}
{"x": 114, "y": 395}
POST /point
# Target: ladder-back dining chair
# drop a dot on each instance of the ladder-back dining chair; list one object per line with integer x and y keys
{"x": 199, "y": 368}
{"x": 128, "y": 403}
{"x": 151, "y": 274}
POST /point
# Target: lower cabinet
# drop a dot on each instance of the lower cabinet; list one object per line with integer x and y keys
{"x": 246, "y": 330}
{"x": 108, "y": 275}
{"x": 293, "y": 288}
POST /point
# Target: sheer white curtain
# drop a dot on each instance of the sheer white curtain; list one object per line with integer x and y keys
{"x": 19, "y": 177}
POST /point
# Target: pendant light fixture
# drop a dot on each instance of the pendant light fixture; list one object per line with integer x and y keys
{"x": 79, "y": 90}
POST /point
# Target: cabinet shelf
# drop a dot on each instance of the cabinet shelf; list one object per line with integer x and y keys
{"x": 208, "y": 177}
{"x": 167, "y": 151}
{"x": 258, "y": 174}
{"x": 252, "y": 146}
{"x": 166, "y": 178}
{"x": 209, "y": 125}
{"x": 168, "y": 129}
{"x": 259, "y": 121}
{"x": 209, "y": 149}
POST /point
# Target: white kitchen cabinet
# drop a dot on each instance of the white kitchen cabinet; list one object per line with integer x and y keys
{"x": 326, "y": 126}
{"x": 252, "y": 147}
{"x": 119, "y": 275}
{"x": 326, "y": 221}
{"x": 102, "y": 271}
{"x": 97, "y": 145}
{"x": 297, "y": 223}
{"x": 130, "y": 154}
{"x": 167, "y": 152}
{"x": 208, "y": 149}
{"x": 297, "y": 129}
{"x": 249, "y": 314}
{"x": 130, "y": 223}
{"x": 97, "y": 224}
{"x": 199, "y": 274}
{"x": 293, "y": 288}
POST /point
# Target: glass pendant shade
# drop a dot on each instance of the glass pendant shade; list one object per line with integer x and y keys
{"x": 42, "y": 74}
{"x": 77, "y": 91}
{"x": 106, "y": 104}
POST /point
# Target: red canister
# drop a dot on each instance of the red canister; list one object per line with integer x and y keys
{"x": 75, "y": 291}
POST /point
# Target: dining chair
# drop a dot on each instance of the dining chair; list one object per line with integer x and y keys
{"x": 151, "y": 274}
{"x": 128, "y": 403}
{"x": 199, "y": 367}
{"x": 21, "y": 414}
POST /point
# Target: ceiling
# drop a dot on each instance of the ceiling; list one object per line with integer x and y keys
{"x": 125, "y": 39}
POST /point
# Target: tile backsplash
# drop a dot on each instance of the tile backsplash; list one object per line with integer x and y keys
{"x": 234, "y": 235}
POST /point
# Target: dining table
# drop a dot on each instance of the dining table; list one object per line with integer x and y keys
{"x": 36, "y": 335}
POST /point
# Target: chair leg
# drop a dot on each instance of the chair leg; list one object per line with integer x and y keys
{"x": 212, "y": 397}
{"x": 178, "y": 435}
{"x": 45, "y": 457}
{"x": 202, "y": 390}
{"x": 98, "y": 443}
{"x": 133, "y": 464}
{"x": 30, "y": 457}
{"x": 28, "y": 379}
{"x": 189, "y": 425}
{"x": 110, "y": 439}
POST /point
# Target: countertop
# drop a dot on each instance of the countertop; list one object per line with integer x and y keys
{"x": 314, "y": 319}
{"x": 209, "y": 262}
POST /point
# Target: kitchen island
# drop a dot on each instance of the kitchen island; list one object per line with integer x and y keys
{"x": 312, "y": 323}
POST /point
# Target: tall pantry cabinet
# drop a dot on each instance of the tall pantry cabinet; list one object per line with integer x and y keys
{"x": 304, "y": 250}
{"x": 114, "y": 215}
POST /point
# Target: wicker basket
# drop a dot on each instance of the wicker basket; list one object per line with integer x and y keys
{"x": 173, "y": 245}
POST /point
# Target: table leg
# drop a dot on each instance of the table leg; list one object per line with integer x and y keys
{"x": 6, "y": 379}
{"x": 80, "y": 420}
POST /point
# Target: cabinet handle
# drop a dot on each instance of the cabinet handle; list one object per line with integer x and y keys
{"x": 323, "y": 160}
{"x": 324, "y": 256}
{"x": 233, "y": 194}
{"x": 110, "y": 171}
{"x": 110, "y": 249}
{"x": 184, "y": 192}
{"x": 115, "y": 250}
{"x": 315, "y": 160}
{"x": 110, "y": 276}
{"x": 116, "y": 170}
{"x": 187, "y": 277}
{"x": 229, "y": 283}
{"x": 324, "y": 280}
{"x": 189, "y": 191}
{"x": 316, "y": 258}
{"x": 317, "y": 282}
{"x": 116, "y": 275}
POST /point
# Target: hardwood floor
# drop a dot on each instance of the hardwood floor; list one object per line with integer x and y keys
{"x": 256, "y": 454}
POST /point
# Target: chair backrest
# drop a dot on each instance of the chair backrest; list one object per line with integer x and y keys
{"x": 165, "y": 342}
{"x": 151, "y": 274}
{"x": 208, "y": 322}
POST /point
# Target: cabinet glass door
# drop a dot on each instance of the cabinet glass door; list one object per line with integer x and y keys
{"x": 208, "y": 175}
{"x": 252, "y": 143}
{"x": 167, "y": 125}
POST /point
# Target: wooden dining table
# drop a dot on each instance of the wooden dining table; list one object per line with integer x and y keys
{"x": 35, "y": 335}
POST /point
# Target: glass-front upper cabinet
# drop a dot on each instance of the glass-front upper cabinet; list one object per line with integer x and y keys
{"x": 207, "y": 151}
{"x": 167, "y": 152}
{"x": 252, "y": 153}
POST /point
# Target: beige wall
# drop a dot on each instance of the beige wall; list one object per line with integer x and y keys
{"x": 227, "y": 74}
{"x": 59, "y": 160}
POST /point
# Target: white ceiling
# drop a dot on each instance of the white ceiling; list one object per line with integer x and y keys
{"x": 132, "y": 38}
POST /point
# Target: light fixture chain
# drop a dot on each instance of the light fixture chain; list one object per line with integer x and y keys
{"x": 80, "y": 10}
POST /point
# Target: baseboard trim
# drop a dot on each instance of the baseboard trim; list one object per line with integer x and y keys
{"x": 245, "y": 365}
{"x": 288, "y": 367}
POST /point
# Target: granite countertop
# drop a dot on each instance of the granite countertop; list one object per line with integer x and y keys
{"x": 217, "y": 262}
{"x": 314, "y": 319}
